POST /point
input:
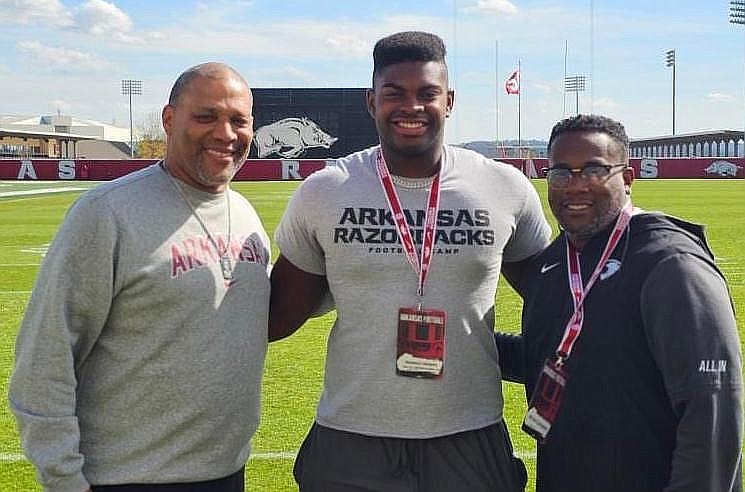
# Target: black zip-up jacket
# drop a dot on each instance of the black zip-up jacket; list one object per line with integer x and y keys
{"x": 654, "y": 396}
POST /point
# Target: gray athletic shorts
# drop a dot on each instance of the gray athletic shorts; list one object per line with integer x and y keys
{"x": 475, "y": 461}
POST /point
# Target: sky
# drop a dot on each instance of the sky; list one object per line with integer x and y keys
{"x": 70, "y": 56}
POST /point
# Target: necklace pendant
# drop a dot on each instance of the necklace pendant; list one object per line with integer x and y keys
{"x": 226, "y": 267}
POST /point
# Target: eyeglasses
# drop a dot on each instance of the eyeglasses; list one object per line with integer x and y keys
{"x": 597, "y": 173}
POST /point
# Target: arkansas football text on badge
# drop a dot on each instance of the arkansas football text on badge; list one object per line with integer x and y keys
{"x": 421, "y": 342}
{"x": 546, "y": 400}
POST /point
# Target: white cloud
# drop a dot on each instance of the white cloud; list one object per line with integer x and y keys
{"x": 218, "y": 6}
{"x": 94, "y": 17}
{"x": 545, "y": 87}
{"x": 349, "y": 44}
{"x": 493, "y": 7}
{"x": 718, "y": 97}
{"x": 35, "y": 12}
{"x": 310, "y": 40}
{"x": 285, "y": 75}
{"x": 216, "y": 14}
{"x": 604, "y": 104}
{"x": 62, "y": 106}
{"x": 99, "y": 17}
{"x": 55, "y": 59}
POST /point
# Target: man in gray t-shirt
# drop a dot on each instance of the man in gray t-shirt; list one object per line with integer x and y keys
{"x": 409, "y": 237}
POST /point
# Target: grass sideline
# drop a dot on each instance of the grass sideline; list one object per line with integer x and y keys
{"x": 294, "y": 367}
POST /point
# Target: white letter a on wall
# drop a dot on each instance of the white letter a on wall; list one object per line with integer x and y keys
{"x": 27, "y": 170}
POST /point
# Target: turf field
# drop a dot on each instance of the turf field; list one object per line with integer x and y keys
{"x": 31, "y": 212}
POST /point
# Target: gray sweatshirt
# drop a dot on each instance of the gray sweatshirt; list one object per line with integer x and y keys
{"x": 136, "y": 362}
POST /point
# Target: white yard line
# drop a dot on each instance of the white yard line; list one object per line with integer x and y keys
{"x": 525, "y": 455}
{"x": 40, "y": 191}
{"x": 276, "y": 455}
{"x": 271, "y": 455}
{"x": 51, "y": 182}
{"x": 12, "y": 458}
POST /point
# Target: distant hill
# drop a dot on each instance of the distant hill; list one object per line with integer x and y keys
{"x": 488, "y": 148}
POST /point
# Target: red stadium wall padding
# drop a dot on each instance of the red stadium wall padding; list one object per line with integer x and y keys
{"x": 102, "y": 170}
{"x": 646, "y": 168}
{"x": 709, "y": 167}
{"x": 276, "y": 169}
{"x": 287, "y": 169}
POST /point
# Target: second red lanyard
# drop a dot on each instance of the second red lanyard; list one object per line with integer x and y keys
{"x": 580, "y": 291}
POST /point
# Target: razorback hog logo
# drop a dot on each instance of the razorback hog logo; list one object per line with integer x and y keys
{"x": 291, "y": 137}
{"x": 722, "y": 168}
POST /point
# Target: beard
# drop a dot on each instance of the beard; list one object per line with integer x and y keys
{"x": 604, "y": 217}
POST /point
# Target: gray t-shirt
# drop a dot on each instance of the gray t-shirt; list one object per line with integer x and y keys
{"x": 136, "y": 361}
{"x": 338, "y": 224}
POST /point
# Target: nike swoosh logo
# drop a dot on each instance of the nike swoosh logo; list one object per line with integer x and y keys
{"x": 545, "y": 268}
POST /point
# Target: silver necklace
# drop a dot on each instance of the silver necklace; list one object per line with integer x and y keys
{"x": 225, "y": 265}
{"x": 412, "y": 183}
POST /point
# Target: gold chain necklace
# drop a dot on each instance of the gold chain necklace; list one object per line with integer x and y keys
{"x": 225, "y": 265}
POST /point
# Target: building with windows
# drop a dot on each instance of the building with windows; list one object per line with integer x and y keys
{"x": 715, "y": 143}
{"x": 61, "y": 136}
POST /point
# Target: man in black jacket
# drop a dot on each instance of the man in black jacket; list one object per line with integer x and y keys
{"x": 629, "y": 349}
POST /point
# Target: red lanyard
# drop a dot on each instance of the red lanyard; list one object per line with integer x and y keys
{"x": 420, "y": 266}
{"x": 579, "y": 292}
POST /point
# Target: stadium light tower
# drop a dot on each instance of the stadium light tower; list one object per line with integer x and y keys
{"x": 130, "y": 87}
{"x": 576, "y": 84}
{"x": 670, "y": 62}
{"x": 737, "y": 16}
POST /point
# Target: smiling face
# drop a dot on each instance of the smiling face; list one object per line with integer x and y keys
{"x": 209, "y": 129}
{"x": 585, "y": 206}
{"x": 410, "y": 102}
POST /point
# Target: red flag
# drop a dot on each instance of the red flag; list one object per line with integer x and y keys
{"x": 512, "y": 86}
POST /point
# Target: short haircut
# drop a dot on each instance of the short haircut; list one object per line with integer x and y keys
{"x": 592, "y": 123}
{"x": 209, "y": 69}
{"x": 407, "y": 46}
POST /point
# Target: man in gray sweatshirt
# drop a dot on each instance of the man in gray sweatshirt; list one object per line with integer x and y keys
{"x": 139, "y": 359}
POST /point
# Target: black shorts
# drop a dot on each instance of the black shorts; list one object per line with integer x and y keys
{"x": 231, "y": 483}
{"x": 475, "y": 461}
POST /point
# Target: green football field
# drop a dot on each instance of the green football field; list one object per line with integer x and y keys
{"x": 31, "y": 212}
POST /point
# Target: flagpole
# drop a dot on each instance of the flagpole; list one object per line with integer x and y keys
{"x": 592, "y": 56}
{"x": 563, "y": 81}
{"x": 454, "y": 59}
{"x": 512, "y": 86}
{"x": 497, "y": 88}
{"x": 519, "y": 96}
